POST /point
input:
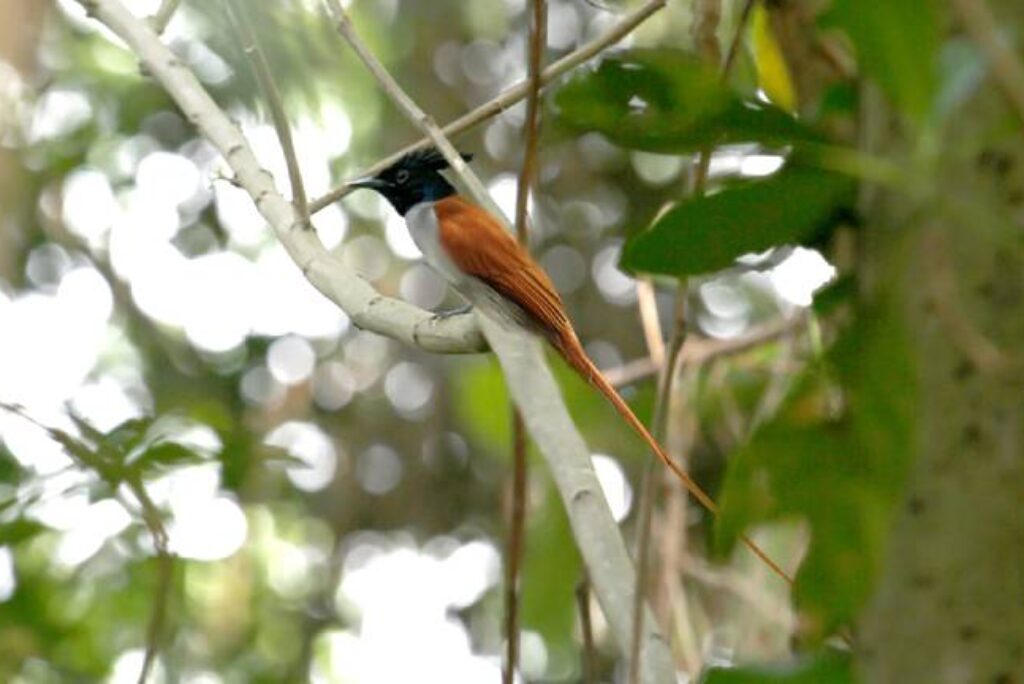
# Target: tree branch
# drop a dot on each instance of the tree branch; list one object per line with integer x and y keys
{"x": 367, "y": 308}
{"x": 509, "y": 97}
{"x": 527, "y": 179}
{"x": 1006, "y": 67}
{"x": 261, "y": 69}
{"x": 164, "y": 14}
{"x": 597, "y": 535}
{"x": 536, "y": 394}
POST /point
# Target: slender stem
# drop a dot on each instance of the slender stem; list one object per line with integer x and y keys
{"x": 647, "y": 305}
{"x": 1006, "y": 66}
{"x": 511, "y": 96}
{"x": 737, "y": 38}
{"x": 647, "y": 490}
{"x": 261, "y": 69}
{"x": 410, "y": 109}
{"x": 698, "y": 351}
{"x": 708, "y": 15}
{"x": 527, "y": 179}
{"x": 91, "y": 456}
{"x": 535, "y": 393}
{"x": 366, "y": 307}
{"x": 531, "y": 128}
{"x": 515, "y": 546}
{"x": 163, "y": 15}
{"x": 165, "y": 567}
{"x": 587, "y": 631}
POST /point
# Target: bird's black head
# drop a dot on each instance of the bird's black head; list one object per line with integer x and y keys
{"x": 414, "y": 178}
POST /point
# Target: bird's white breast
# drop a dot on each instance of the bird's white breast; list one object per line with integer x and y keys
{"x": 425, "y": 232}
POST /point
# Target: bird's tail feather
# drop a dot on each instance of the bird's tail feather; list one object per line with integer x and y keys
{"x": 572, "y": 351}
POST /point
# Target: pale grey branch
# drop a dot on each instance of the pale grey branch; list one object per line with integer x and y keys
{"x": 353, "y": 294}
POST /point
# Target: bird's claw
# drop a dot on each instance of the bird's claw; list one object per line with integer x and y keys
{"x": 442, "y": 315}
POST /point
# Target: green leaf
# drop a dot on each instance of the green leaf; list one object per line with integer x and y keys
{"x": 666, "y": 101}
{"x": 707, "y": 233}
{"x": 843, "y": 474}
{"x": 827, "y": 668}
{"x": 897, "y": 44}
{"x": 19, "y": 530}
{"x": 128, "y": 435}
{"x": 165, "y": 454}
{"x": 551, "y": 571}
{"x": 483, "y": 405}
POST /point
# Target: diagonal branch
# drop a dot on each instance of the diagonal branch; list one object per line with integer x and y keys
{"x": 164, "y": 14}
{"x": 538, "y": 398}
{"x": 261, "y": 68}
{"x": 412, "y": 111}
{"x": 367, "y": 308}
{"x": 509, "y": 97}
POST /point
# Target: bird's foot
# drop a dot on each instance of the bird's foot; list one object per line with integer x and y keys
{"x": 442, "y": 315}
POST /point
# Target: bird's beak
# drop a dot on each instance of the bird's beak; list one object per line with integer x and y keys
{"x": 371, "y": 182}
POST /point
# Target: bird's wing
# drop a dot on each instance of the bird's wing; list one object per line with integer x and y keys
{"x": 479, "y": 246}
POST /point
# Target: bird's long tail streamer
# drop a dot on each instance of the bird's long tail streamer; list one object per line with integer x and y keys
{"x": 572, "y": 351}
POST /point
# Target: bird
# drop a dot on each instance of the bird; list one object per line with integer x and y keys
{"x": 470, "y": 248}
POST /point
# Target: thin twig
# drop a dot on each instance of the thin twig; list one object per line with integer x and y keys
{"x": 531, "y": 128}
{"x": 532, "y": 386}
{"x": 162, "y": 18}
{"x": 587, "y": 631}
{"x": 1006, "y": 67}
{"x": 92, "y": 457}
{"x": 647, "y": 490}
{"x": 708, "y": 15}
{"x": 261, "y": 69}
{"x": 647, "y": 306}
{"x": 515, "y": 546}
{"x": 737, "y": 38}
{"x": 697, "y": 350}
{"x": 527, "y": 179}
{"x": 366, "y": 307}
{"x": 164, "y": 569}
{"x": 509, "y": 97}
{"x": 412, "y": 111}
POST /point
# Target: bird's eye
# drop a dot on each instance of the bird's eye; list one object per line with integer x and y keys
{"x": 402, "y": 176}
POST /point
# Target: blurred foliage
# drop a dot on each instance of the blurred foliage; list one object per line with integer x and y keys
{"x": 772, "y": 71}
{"x": 828, "y": 668}
{"x": 897, "y": 44}
{"x": 813, "y": 425}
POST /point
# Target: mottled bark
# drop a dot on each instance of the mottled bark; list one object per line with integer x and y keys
{"x": 949, "y": 606}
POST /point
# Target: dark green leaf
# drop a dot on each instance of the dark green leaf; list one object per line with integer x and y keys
{"x": 165, "y": 454}
{"x": 835, "y": 294}
{"x": 843, "y": 474}
{"x": 19, "y": 530}
{"x": 827, "y": 668}
{"x": 897, "y": 42}
{"x": 281, "y": 456}
{"x": 128, "y": 435}
{"x": 87, "y": 430}
{"x": 551, "y": 571}
{"x": 667, "y": 101}
{"x": 707, "y": 233}
{"x": 479, "y": 388}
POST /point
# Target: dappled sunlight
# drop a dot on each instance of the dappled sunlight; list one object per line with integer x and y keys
{"x": 335, "y": 501}
{"x": 376, "y": 588}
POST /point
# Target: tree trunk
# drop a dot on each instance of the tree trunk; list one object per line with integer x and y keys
{"x": 949, "y": 605}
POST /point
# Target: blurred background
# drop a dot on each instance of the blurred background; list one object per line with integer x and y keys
{"x": 335, "y": 501}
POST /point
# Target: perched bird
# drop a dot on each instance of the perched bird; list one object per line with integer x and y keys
{"x": 471, "y": 249}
